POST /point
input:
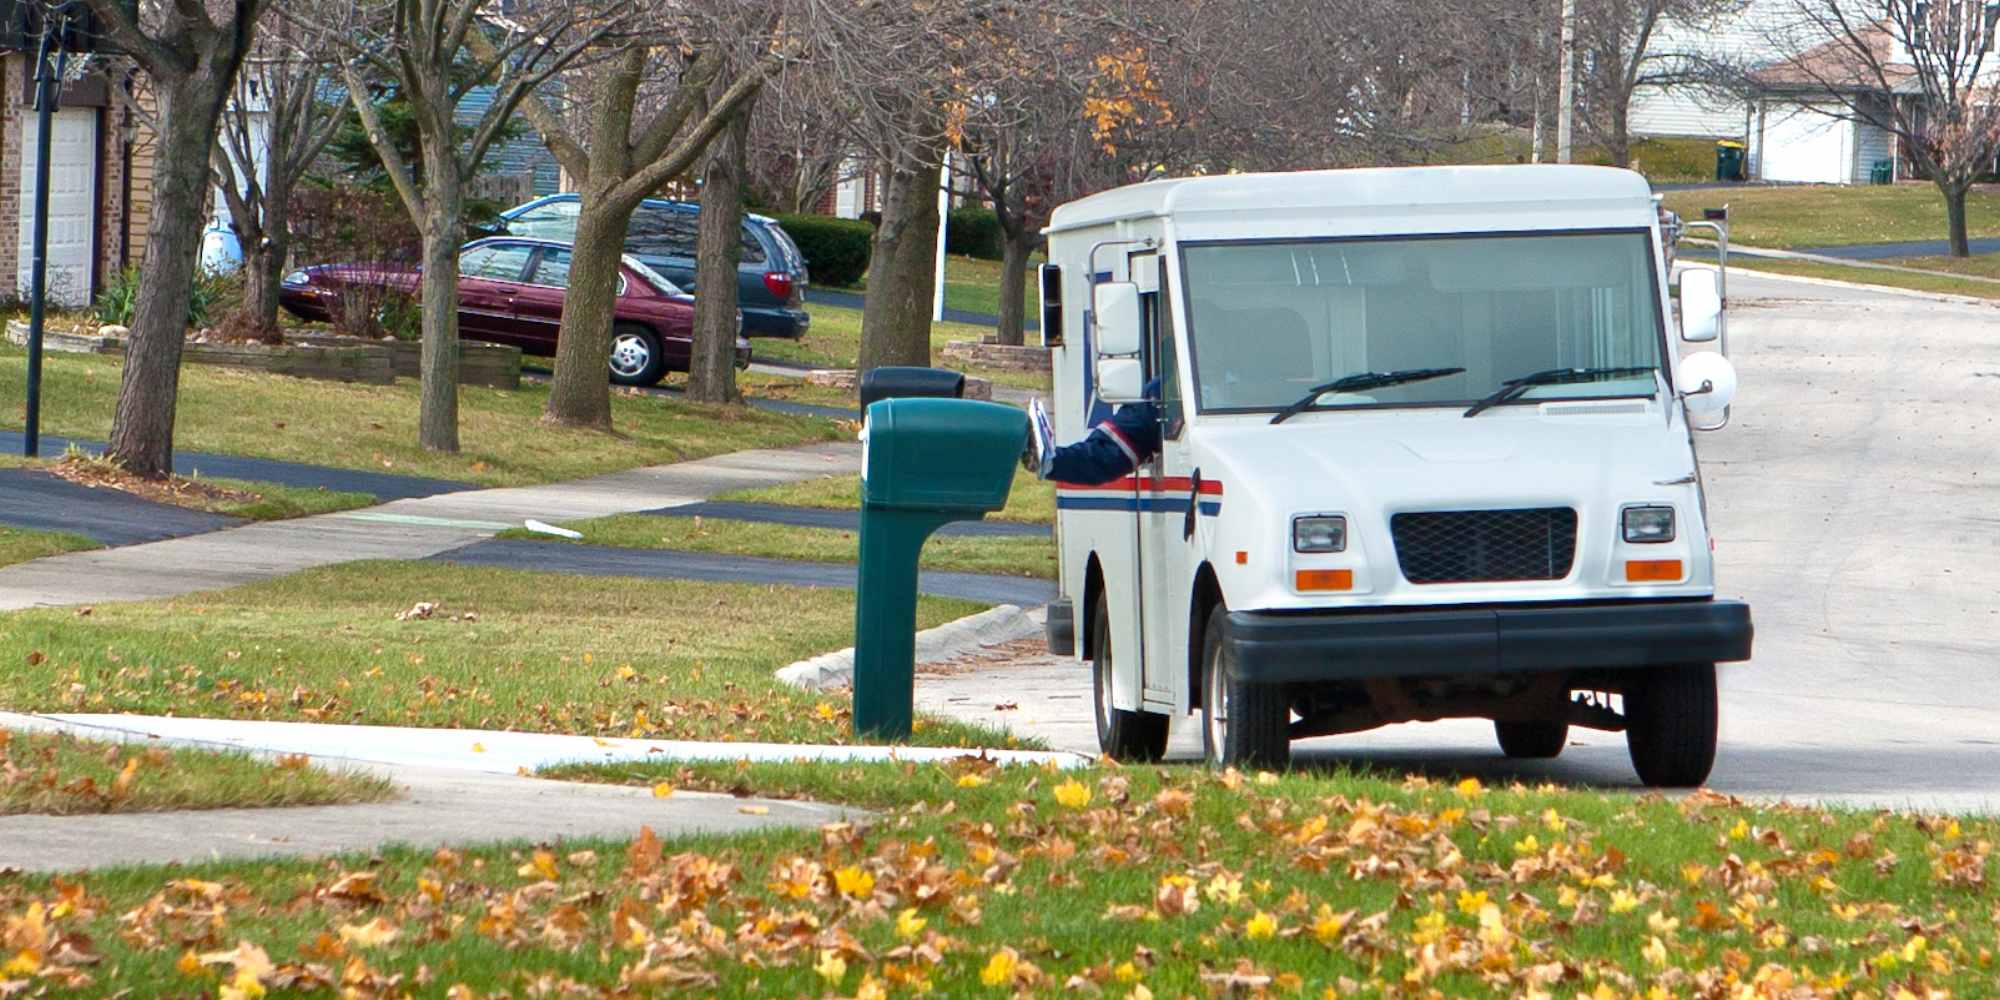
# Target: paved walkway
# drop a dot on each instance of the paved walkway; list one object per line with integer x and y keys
{"x": 31, "y": 498}
{"x": 838, "y": 520}
{"x": 461, "y": 787}
{"x": 670, "y": 564}
{"x": 1915, "y": 248}
{"x": 414, "y": 528}
{"x": 383, "y": 486}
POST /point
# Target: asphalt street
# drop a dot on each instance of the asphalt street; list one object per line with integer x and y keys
{"x": 384, "y": 486}
{"x": 1855, "y": 503}
{"x": 30, "y": 498}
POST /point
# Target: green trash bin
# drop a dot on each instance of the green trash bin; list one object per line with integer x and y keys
{"x": 1882, "y": 172}
{"x": 1729, "y": 160}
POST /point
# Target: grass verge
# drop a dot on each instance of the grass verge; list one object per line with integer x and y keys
{"x": 1034, "y": 557}
{"x": 1031, "y": 500}
{"x": 973, "y": 285}
{"x": 373, "y": 427}
{"x": 1128, "y": 883}
{"x": 18, "y": 545}
{"x": 500, "y": 649}
{"x": 1946, "y": 284}
{"x": 63, "y": 775}
{"x": 1795, "y": 217}
{"x": 834, "y": 341}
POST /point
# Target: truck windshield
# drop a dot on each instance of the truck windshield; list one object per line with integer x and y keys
{"x": 1270, "y": 320}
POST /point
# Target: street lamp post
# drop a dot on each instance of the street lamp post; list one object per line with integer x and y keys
{"x": 48, "y": 83}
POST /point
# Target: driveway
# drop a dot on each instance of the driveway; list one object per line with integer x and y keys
{"x": 1856, "y": 506}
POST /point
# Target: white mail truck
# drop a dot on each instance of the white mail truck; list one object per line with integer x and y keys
{"x": 1427, "y": 451}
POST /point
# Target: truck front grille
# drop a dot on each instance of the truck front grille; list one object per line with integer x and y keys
{"x": 1477, "y": 546}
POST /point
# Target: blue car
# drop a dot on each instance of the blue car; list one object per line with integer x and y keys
{"x": 771, "y": 274}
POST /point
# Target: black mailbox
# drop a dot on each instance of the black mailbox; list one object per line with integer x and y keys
{"x": 893, "y": 382}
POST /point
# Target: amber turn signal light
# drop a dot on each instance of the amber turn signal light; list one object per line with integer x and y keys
{"x": 1653, "y": 571}
{"x": 1325, "y": 579}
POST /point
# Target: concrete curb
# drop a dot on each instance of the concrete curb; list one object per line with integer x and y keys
{"x": 1908, "y": 293}
{"x": 949, "y": 641}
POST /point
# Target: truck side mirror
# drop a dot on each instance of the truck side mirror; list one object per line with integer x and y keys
{"x": 1701, "y": 306}
{"x": 1707, "y": 384}
{"x": 1121, "y": 376}
{"x": 1115, "y": 308}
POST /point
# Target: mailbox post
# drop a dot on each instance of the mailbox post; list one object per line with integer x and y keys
{"x": 924, "y": 464}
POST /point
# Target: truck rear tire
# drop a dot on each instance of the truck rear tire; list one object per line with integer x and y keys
{"x": 1123, "y": 735}
{"x": 1532, "y": 740}
{"x": 1670, "y": 724}
{"x": 1243, "y": 725}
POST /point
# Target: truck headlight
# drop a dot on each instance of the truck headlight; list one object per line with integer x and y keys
{"x": 1319, "y": 533}
{"x": 1649, "y": 524}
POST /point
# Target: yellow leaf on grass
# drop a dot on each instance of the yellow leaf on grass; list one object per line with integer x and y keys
{"x": 378, "y": 931}
{"x": 27, "y": 963}
{"x": 908, "y": 924}
{"x": 626, "y": 673}
{"x": 970, "y": 781}
{"x": 1623, "y": 902}
{"x": 852, "y": 881}
{"x": 824, "y": 711}
{"x": 831, "y": 967}
{"x": 189, "y": 964}
{"x": 1469, "y": 903}
{"x": 543, "y": 863}
{"x": 1073, "y": 794}
{"x": 663, "y": 790}
{"x": 1261, "y": 927}
{"x": 1471, "y": 788}
{"x": 244, "y": 987}
{"x": 999, "y": 970}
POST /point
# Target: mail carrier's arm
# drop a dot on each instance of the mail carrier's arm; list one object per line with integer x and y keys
{"x": 1112, "y": 450}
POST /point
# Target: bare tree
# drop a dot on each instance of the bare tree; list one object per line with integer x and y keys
{"x": 1916, "y": 69}
{"x": 1621, "y": 53}
{"x": 642, "y": 117}
{"x": 712, "y": 360}
{"x": 278, "y": 120}
{"x": 435, "y": 52}
{"x": 191, "y": 54}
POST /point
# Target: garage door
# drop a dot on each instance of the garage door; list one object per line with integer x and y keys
{"x": 1805, "y": 145}
{"x": 72, "y": 203}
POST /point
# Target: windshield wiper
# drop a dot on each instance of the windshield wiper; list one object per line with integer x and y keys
{"x": 1357, "y": 382}
{"x": 1554, "y": 376}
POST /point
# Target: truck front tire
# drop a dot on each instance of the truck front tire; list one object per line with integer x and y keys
{"x": 1127, "y": 736}
{"x": 1532, "y": 740}
{"x": 1243, "y": 725}
{"x": 1670, "y": 724}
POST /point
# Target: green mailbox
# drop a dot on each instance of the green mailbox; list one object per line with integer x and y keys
{"x": 924, "y": 464}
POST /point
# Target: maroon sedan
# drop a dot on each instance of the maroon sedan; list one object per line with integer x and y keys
{"x": 510, "y": 291}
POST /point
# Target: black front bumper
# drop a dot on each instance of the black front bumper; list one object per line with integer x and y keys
{"x": 1274, "y": 647}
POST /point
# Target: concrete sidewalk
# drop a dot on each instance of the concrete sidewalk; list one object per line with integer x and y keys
{"x": 405, "y": 529}
{"x": 460, "y": 787}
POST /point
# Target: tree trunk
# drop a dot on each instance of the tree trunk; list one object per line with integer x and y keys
{"x": 142, "y": 431}
{"x": 902, "y": 275}
{"x": 263, "y": 271}
{"x": 580, "y": 392}
{"x": 1619, "y": 142}
{"x": 1014, "y": 283}
{"x": 718, "y": 248}
{"x": 1954, "y": 214}
{"x": 437, "y": 412}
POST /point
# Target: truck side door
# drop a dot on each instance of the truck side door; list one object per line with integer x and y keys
{"x": 1166, "y": 492}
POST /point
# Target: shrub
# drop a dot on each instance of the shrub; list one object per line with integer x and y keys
{"x": 974, "y": 232}
{"x": 836, "y": 250}
{"x": 212, "y": 296}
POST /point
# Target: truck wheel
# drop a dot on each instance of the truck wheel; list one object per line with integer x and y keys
{"x": 1670, "y": 724}
{"x": 1532, "y": 740}
{"x": 1243, "y": 725}
{"x": 1123, "y": 735}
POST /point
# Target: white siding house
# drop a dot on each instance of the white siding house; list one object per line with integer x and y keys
{"x": 1748, "y": 37}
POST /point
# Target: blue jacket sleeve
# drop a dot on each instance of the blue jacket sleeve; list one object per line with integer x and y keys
{"x": 1114, "y": 447}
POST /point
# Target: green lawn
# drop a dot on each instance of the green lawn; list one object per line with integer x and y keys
{"x": 973, "y": 285}
{"x": 1977, "y": 265}
{"x": 18, "y": 545}
{"x": 1794, "y": 217}
{"x": 1031, "y": 500}
{"x": 1948, "y": 284}
{"x": 274, "y": 502}
{"x": 834, "y": 341}
{"x": 60, "y": 774}
{"x": 374, "y": 427}
{"x": 1123, "y": 883}
{"x": 1012, "y": 556}
{"x": 504, "y": 649}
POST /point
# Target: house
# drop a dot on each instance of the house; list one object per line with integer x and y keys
{"x": 99, "y": 170}
{"x": 1812, "y": 117}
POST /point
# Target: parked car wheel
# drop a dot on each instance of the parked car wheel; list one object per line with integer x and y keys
{"x": 1532, "y": 740}
{"x": 1670, "y": 725}
{"x": 636, "y": 356}
{"x": 1135, "y": 736}
{"x": 1243, "y": 725}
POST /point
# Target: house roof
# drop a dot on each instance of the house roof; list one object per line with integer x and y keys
{"x": 1835, "y": 66}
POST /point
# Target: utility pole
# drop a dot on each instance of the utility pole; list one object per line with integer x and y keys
{"x": 48, "y": 84}
{"x": 1566, "y": 87}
